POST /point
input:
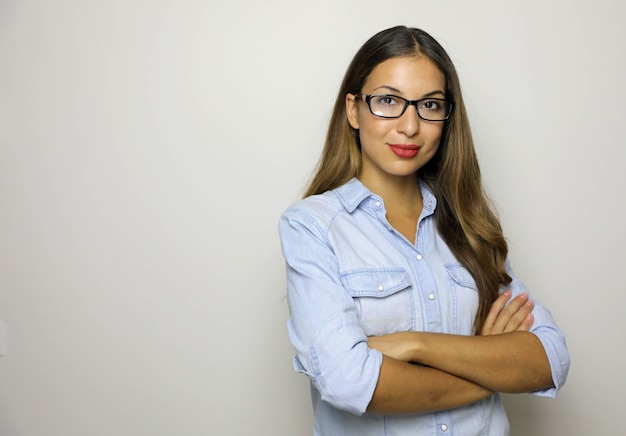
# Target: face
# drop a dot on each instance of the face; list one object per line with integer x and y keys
{"x": 397, "y": 147}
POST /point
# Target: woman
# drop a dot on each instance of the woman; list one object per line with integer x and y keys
{"x": 404, "y": 311}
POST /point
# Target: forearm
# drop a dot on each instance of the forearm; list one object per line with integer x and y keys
{"x": 407, "y": 388}
{"x": 509, "y": 362}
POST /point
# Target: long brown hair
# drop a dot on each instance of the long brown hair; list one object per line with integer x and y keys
{"x": 464, "y": 216}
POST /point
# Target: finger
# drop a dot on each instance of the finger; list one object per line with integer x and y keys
{"x": 502, "y": 321}
{"x": 527, "y": 323}
{"x": 519, "y": 319}
{"x": 494, "y": 311}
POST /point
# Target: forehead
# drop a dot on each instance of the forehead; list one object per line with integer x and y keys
{"x": 409, "y": 75}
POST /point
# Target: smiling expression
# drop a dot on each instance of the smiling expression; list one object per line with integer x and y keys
{"x": 397, "y": 147}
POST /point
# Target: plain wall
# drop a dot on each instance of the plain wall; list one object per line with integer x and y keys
{"x": 148, "y": 147}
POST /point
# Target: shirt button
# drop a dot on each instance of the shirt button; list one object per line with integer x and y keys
{"x": 431, "y": 296}
{"x": 381, "y": 288}
{"x": 377, "y": 203}
{"x": 444, "y": 427}
{"x": 419, "y": 257}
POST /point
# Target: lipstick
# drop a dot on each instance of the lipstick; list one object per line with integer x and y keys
{"x": 405, "y": 151}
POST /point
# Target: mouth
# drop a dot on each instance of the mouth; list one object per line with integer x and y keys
{"x": 405, "y": 151}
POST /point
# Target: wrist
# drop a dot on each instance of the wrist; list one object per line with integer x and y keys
{"x": 415, "y": 347}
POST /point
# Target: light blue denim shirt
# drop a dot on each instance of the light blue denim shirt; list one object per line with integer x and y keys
{"x": 350, "y": 275}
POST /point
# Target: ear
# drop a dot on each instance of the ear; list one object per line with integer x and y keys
{"x": 352, "y": 111}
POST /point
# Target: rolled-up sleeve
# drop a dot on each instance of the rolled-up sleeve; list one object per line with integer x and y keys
{"x": 331, "y": 347}
{"x": 550, "y": 336}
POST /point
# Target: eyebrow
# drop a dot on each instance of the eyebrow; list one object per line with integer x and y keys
{"x": 430, "y": 94}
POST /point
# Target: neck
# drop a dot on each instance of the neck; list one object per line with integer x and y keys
{"x": 401, "y": 194}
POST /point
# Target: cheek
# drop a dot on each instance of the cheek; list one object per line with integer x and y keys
{"x": 372, "y": 129}
{"x": 435, "y": 134}
{"x": 432, "y": 143}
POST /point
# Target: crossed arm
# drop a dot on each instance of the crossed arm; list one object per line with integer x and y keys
{"x": 457, "y": 370}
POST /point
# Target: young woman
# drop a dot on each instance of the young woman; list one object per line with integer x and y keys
{"x": 404, "y": 311}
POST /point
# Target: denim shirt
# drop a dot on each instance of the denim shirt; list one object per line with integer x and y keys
{"x": 351, "y": 275}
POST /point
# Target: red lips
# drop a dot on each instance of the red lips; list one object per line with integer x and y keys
{"x": 405, "y": 151}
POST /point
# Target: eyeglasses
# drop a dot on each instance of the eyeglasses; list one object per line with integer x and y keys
{"x": 392, "y": 106}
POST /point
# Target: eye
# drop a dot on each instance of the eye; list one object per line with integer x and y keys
{"x": 387, "y": 100}
{"x": 432, "y": 105}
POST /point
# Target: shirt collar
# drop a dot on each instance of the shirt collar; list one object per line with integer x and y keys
{"x": 353, "y": 193}
{"x": 430, "y": 201}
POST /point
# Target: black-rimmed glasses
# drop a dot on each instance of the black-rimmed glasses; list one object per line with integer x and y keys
{"x": 392, "y": 106}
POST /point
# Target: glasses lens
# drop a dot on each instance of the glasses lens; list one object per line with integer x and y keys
{"x": 433, "y": 109}
{"x": 387, "y": 105}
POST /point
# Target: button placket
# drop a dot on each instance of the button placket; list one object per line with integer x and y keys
{"x": 430, "y": 317}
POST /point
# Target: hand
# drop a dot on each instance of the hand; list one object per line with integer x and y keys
{"x": 516, "y": 316}
{"x": 398, "y": 346}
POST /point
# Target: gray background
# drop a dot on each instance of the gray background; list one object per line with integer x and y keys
{"x": 147, "y": 149}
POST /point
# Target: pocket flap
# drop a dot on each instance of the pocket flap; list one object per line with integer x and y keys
{"x": 378, "y": 282}
{"x": 460, "y": 275}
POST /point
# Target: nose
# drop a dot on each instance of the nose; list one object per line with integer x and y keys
{"x": 409, "y": 122}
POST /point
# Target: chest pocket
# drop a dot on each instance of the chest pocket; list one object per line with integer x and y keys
{"x": 383, "y": 299}
{"x": 464, "y": 293}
